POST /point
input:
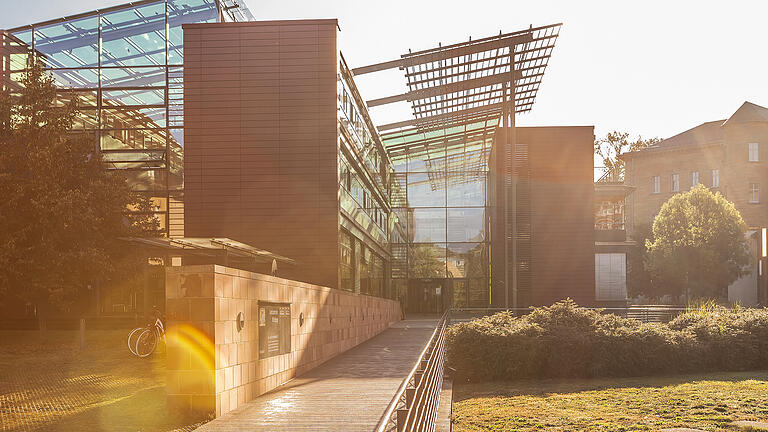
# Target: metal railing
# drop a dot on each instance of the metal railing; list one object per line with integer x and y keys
{"x": 414, "y": 406}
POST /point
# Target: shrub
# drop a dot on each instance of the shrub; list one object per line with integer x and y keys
{"x": 565, "y": 340}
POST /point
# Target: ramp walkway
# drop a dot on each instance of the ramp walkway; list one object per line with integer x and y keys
{"x": 347, "y": 393}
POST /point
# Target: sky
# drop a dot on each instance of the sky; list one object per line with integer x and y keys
{"x": 650, "y": 68}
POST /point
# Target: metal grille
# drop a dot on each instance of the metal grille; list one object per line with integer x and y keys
{"x": 522, "y": 172}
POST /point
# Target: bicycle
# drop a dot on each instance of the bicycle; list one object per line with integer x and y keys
{"x": 142, "y": 341}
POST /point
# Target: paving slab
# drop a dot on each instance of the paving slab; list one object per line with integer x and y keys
{"x": 753, "y": 425}
{"x": 682, "y": 430}
{"x": 347, "y": 393}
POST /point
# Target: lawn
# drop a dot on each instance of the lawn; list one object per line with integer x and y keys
{"x": 708, "y": 401}
{"x": 48, "y": 383}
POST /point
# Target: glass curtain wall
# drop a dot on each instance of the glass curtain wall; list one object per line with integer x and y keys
{"x": 439, "y": 193}
{"x": 124, "y": 66}
{"x": 364, "y": 172}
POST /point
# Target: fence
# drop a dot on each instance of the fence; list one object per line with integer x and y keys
{"x": 644, "y": 313}
{"x": 414, "y": 406}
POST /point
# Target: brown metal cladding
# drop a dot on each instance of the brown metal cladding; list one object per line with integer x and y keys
{"x": 261, "y": 139}
{"x": 562, "y": 227}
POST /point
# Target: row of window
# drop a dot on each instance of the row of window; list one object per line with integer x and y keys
{"x": 362, "y": 270}
{"x": 674, "y": 181}
{"x": 754, "y": 188}
{"x": 351, "y": 182}
{"x": 362, "y": 139}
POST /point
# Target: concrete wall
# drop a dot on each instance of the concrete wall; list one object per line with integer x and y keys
{"x": 214, "y": 367}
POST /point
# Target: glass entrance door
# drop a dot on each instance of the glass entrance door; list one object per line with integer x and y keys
{"x": 427, "y": 296}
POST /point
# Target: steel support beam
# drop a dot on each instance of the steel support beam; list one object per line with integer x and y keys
{"x": 444, "y": 89}
{"x": 443, "y": 117}
{"x": 443, "y": 54}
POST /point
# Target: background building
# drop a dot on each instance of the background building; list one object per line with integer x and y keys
{"x": 729, "y": 156}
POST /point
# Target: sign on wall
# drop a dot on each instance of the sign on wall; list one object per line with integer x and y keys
{"x": 274, "y": 329}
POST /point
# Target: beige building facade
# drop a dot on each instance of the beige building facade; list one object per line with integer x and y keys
{"x": 729, "y": 156}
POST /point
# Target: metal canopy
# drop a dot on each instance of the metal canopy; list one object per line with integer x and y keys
{"x": 453, "y": 155}
{"x": 204, "y": 244}
{"x": 470, "y": 81}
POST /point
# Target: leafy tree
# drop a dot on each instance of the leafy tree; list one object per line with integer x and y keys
{"x": 615, "y": 144}
{"x": 639, "y": 280}
{"x": 61, "y": 211}
{"x": 698, "y": 245}
{"x": 426, "y": 263}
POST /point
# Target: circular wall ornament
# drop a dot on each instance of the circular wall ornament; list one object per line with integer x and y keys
{"x": 240, "y": 321}
{"x": 301, "y": 319}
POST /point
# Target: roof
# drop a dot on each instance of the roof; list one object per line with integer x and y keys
{"x": 705, "y": 133}
{"x": 458, "y": 95}
{"x": 205, "y": 244}
{"x": 234, "y": 11}
{"x": 470, "y": 80}
{"x": 709, "y": 133}
{"x": 748, "y": 112}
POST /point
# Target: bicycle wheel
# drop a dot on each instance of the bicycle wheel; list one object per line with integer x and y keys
{"x": 146, "y": 343}
{"x": 132, "y": 339}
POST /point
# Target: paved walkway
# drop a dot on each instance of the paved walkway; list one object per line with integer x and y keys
{"x": 348, "y": 393}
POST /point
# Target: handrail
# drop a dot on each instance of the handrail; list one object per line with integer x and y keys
{"x": 414, "y": 405}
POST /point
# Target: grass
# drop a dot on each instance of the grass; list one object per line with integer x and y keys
{"x": 48, "y": 383}
{"x": 709, "y": 402}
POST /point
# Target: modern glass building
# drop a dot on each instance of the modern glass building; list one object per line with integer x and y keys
{"x": 125, "y": 67}
{"x": 256, "y": 131}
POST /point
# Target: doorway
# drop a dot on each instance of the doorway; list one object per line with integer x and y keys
{"x": 428, "y": 296}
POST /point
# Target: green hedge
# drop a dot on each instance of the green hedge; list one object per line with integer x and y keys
{"x": 565, "y": 340}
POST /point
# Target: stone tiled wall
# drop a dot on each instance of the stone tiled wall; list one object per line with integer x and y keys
{"x": 213, "y": 366}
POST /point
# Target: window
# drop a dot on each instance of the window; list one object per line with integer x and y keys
{"x": 611, "y": 276}
{"x": 715, "y": 178}
{"x": 655, "y": 184}
{"x": 753, "y": 155}
{"x": 694, "y": 178}
{"x": 675, "y": 183}
{"x": 754, "y": 193}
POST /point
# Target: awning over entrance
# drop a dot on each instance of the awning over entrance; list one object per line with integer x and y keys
{"x": 204, "y": 245}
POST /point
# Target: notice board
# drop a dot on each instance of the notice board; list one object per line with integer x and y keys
{"x": 274, "y": 329}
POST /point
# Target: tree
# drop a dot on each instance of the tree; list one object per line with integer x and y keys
{"x": 426, "y": 263}
{"x": 61, "y": 211}
{"x": 639, "y": 280}
{"x": 615, "y": 144}
{"x": 699, "y": 245}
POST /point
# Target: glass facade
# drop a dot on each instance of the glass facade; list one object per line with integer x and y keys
{"x": 364, "y": 174}
{"x": 413, "y": 204}
{"x": 440, "y": 193}
{"x": 124, "y": 66}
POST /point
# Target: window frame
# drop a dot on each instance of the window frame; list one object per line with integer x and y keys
{"x": 655, "y": 184}
{"x": 694, "y": 178}
{"x": 715, "y": 178}
{"x": 754, "y": 193}
{"x": 674, "y": 183}
{"x": 753, "y": 147}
